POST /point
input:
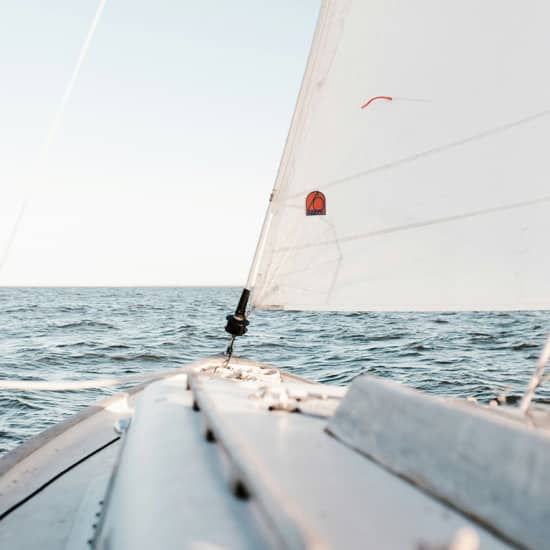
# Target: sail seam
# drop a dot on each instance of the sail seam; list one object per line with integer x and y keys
{"x": 429, "y": 152}
{"x": 418, "y": 225}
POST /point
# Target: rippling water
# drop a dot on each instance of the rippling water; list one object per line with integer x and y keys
{"x": 81, "y": 333}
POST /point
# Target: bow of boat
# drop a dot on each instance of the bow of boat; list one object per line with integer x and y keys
{"x": 239, "y": 456}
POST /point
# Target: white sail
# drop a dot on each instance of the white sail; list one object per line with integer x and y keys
{"x": 426, "y": 125}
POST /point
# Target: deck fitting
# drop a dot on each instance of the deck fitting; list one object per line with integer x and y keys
{"x": 210, "y": 436}
{"x": 240, "y": 490}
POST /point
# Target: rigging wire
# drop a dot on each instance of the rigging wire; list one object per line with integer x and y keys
{"x": 536, "y": 379}
{"x": 76, "y": 385}
{"x": 54, "y": 127}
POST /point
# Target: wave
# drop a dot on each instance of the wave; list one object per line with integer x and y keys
{"x": 18, "y": 403}
{"x": 115, "y": 347}
{"x": 140, "y": 357}
{"x": 75, "y": 344}
{"x": 86, "y": 323}
{"x": 421, "y": 347}
{"x": 524, "y": 345}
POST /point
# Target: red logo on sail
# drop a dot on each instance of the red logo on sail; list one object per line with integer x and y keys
{"x": 316, "y": 204}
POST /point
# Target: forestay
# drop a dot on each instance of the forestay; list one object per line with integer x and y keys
{"x": 425, "y": 126}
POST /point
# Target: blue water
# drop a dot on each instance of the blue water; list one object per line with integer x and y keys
{"x": 81, "y": 333}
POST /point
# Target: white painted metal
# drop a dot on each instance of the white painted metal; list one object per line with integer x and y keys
{"x": 28, "y": 468}
{"x": 86, "y": 517}
{"x": 60, "y": 516}
{"x": 317, "y": 492}
{"x": 491, "y": 467}
{"x": 169, "y": 490}
{"x": 436, "y": 199}
{"x": 290, "y": 522}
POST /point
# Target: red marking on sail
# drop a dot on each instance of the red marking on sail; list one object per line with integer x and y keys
{"x": 385, "y": 97}
{"x": 316, "y": 204}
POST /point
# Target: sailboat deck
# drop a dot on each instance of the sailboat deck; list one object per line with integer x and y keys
{"x": 208, "y": 461}
{"x": 50, "y": 518}
{"x": 332, "y": 495}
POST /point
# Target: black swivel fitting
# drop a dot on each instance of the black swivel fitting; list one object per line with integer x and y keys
{"x": 237, "y": 323}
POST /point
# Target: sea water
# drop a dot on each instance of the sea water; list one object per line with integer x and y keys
{"x": 86, "y": 333}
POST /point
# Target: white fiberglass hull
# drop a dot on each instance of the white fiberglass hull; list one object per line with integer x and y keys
{"x": 213, "y": 458}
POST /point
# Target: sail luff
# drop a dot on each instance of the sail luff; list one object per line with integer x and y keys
{"x": 295, "y": 124}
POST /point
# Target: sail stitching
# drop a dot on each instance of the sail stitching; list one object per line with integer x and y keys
{"x": 429, "y": 152}
{"x": 417, "y": 225}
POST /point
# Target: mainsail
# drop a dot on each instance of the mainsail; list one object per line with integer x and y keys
{"x": 416, "y": 172}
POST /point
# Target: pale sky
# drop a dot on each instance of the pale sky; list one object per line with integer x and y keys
{"x": 169, "y": 146}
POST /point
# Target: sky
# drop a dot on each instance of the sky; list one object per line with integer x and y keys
{"x": 163, "y": 164}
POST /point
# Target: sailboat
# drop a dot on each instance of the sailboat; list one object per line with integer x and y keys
{"x": 414, "y": 178}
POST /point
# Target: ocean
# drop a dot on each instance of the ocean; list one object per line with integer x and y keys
{"x": 85, "y": 333}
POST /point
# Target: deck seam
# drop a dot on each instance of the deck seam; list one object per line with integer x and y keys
{"x": 293, "y": 530}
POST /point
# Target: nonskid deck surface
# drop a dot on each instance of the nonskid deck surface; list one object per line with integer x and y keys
{"x": 215, "y": 458}
{"x": 62, "y": 514}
